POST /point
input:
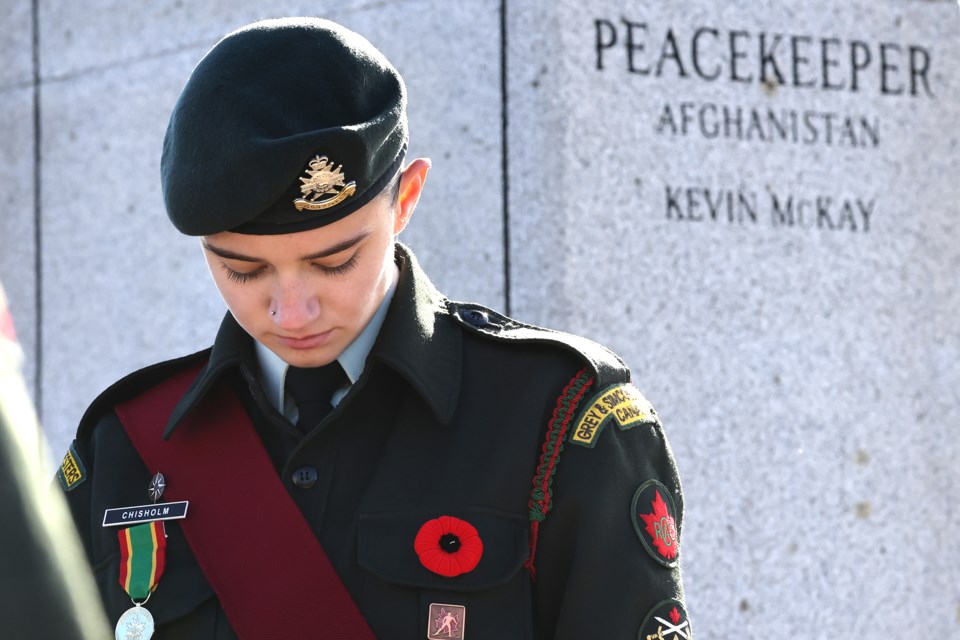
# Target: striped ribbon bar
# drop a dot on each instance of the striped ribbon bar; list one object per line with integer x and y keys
{"x": 142, "y": 558}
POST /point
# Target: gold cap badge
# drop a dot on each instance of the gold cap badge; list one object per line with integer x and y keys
{"x": 323, "y": 179}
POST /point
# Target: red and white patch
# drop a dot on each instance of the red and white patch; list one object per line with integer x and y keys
{"x": 654, "y": 514}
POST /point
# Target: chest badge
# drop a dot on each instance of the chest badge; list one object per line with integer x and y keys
{"x": 446, "y": 621}
{"x": 157, "y": 511}
{"x": 157, "y": 485}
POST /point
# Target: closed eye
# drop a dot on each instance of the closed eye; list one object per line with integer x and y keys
{"x": 340, "y": 269}
{"x": 242, "y": 276}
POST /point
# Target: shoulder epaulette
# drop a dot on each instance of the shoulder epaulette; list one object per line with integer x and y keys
{"x": 606, "y": 367}
{"x": 132, "y": 385}
{"x": 598, "y": 394}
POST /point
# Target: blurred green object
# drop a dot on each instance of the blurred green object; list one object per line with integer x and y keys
{"x": 46, "y": 588}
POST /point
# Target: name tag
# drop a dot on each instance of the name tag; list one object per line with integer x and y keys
{"x": 145, "y": 513}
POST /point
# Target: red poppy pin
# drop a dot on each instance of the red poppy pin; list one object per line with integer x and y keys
{"x": 448, "y": 546}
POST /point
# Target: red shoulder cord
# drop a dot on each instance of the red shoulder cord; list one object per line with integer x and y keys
{"x": 541, "y": 497}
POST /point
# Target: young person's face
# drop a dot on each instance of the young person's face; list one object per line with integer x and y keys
{"x": 306, "y": 296}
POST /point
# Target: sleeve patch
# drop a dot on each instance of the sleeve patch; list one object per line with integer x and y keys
{"x": 654, "y": 517}
{"x": 666, "y": 621}
{"x": 621, "y": 403}
{"x": 72, "y": 472}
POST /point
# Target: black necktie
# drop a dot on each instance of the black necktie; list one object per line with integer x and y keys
{"x": 312, "y": 389}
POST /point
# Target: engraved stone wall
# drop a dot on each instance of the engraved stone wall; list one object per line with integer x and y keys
{"x": 757, "y": 204}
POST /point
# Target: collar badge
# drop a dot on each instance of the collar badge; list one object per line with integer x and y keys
{"x": 322, "y": 179}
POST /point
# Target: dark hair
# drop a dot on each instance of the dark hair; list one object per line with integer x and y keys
{"x": 392, "y": 190}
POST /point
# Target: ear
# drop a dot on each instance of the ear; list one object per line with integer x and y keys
{"x": 412, "y": 180}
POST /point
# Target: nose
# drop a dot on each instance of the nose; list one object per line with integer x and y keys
{"x": 293, "y": 306}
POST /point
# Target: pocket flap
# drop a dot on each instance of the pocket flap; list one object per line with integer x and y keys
{"x": 385, "y": 547}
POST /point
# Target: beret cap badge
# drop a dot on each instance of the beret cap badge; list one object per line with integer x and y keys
{"x": 322, "y": 179}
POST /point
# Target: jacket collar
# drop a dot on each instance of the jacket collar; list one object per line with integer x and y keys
{"x": 420, "y": 341}
{"x": 232, "y": 348}
{"x": 417, "y": 340}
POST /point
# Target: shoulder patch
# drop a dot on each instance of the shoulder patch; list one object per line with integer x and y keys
{"x": 72, "y": 472}
{"x": 654, "y": 517}
{"x": 621, "y": 403}
{"x": 666, "y": 621}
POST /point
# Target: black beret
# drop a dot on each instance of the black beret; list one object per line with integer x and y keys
{"x": 285, "y": 125}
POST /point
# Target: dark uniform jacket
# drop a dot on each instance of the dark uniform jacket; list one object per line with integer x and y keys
{"x": 448, "y": 418}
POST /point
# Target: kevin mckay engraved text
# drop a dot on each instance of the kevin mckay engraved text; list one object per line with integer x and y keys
{"x": 744, "y": 207}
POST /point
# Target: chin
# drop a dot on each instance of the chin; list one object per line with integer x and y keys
{"x": 306, "y": 359}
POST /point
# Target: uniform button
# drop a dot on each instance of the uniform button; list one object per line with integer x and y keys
{"x": 305, "y": 477}
{"x": 476, "y": 317}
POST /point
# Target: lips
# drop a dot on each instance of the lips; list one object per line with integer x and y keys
{"x": 306, "y": 342}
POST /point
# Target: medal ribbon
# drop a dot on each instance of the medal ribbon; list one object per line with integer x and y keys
{"x": 142, "y": 558}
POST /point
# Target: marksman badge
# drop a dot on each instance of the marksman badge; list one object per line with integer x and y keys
{"x": 446, "y": 621}
{"x": 323, "y": 179}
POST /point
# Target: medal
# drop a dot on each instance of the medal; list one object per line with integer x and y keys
{"x": 136, "y": 623}
{"x": 142, "y": 560}
{"x": 143, "y": 552}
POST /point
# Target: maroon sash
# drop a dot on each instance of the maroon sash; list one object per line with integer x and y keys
{"x": 269, "y": 571}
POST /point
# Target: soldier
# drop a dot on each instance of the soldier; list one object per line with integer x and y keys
{"x": 358, "y": 456}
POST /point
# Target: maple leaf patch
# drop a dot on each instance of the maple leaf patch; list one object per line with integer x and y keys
{"x": 661, "y": 527}
{"x": 654, "y": 519}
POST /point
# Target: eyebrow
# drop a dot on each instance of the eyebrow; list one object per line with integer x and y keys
{"x": 324, "y": 253}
